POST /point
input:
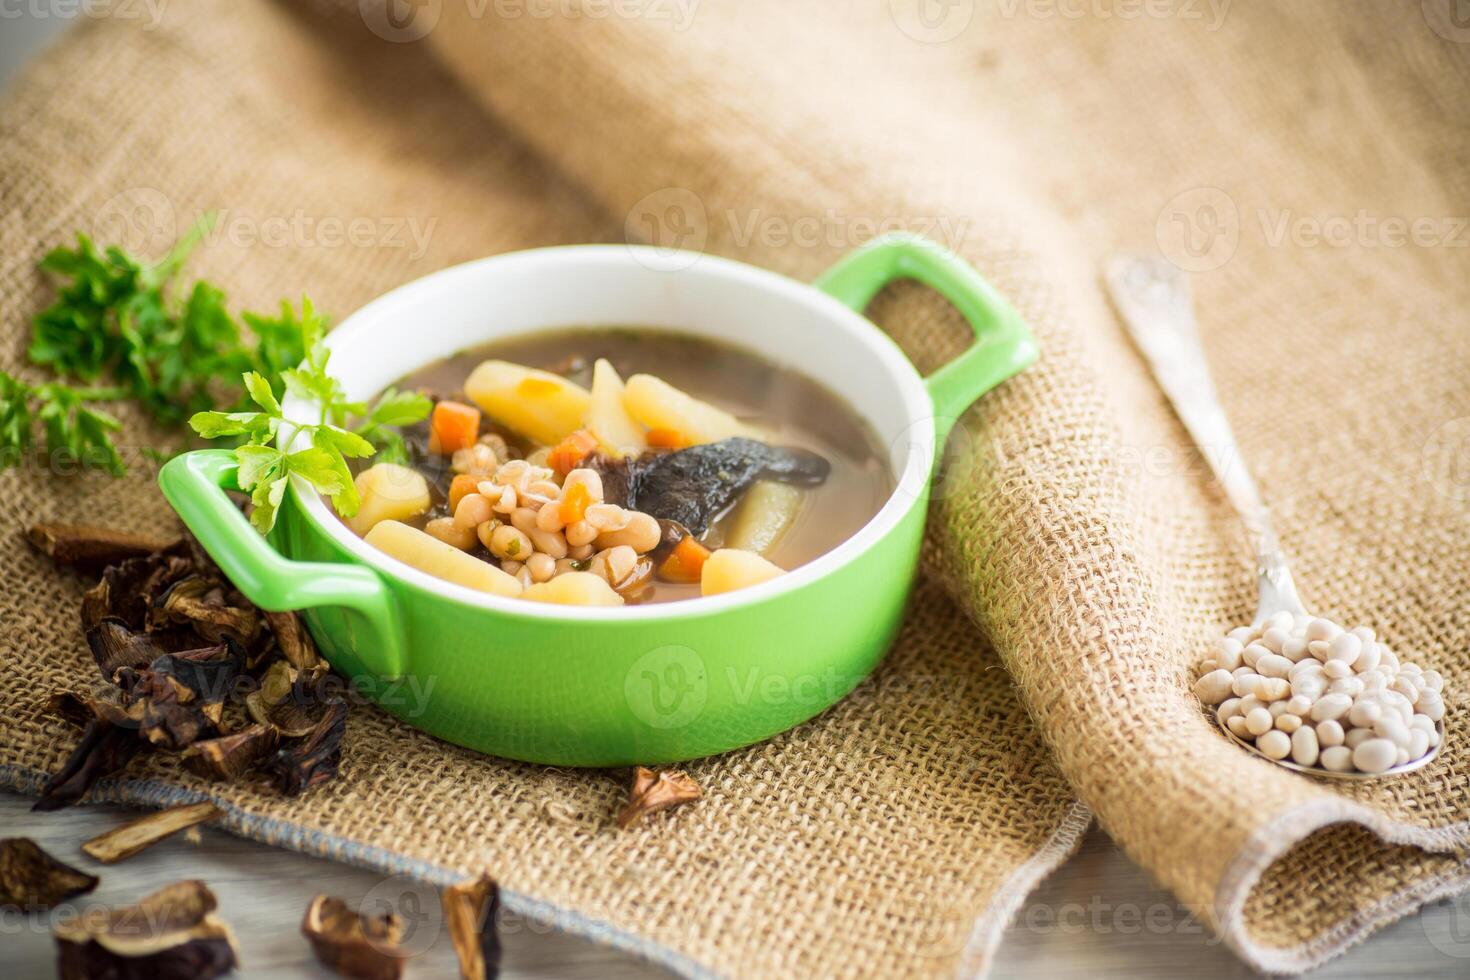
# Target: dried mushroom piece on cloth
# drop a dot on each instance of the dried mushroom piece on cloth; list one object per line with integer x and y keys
{"x": 32, "y": 880}
{"x": 172, "y": 933}
{"x": 655, "y": 791}
{"x": 190, "y": 667}
{"x": 93, "y": 548}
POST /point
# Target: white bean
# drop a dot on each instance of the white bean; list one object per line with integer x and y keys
{"x": 1337, "y": 669}
{"x": 550, "y": 542}
{"x": 1294, "y": 649}
{"x": 1356, "y": 737}
{"x": 1273, "y": 665}
{"x": 1274, "y": 637}
{"x": 549, "y": 519}
{"x": 1237, "y": 727}
{"x": 590, "y": 479}
{"x": 1259, "y": 721}
{"x": 1274, "y": 745}
{"x": 1365, "y": 714}
{"x": 1304, "y": 748}
{"x": 1253, "y": 653}
{"x": 1394, "y": 730}
{"x": 1350, "y": 686}
{"x": 1345, "y": 647}
{"x": 473, "y": 510}
{"x": 1405, "y": 686}
{"x": 1280, "y": 621}
{"x": 1330, "y": 733}
{"x": 1369, "y": 659}
{"x": 1418, "y": 744}
{"x": 1288, "y": 723}
{"x": 1228, "y": 709}
{"x": 1375, "y": 755}
{"x": 1273, "y": 689}
{"x": 1431, "y": 680}
{"x": 580, "y": 533}
{"x": 1322, "y": 629}
{"x": 1430, "y": 704}
{"x": 1338, "y": 758}
{"x": 1299, "y": 705}
{"x": 1228, "y": 653}
{"x": 1309, "y": 686}
{"x": 1303, "y": 668}
{"x": 1330, "y": 707}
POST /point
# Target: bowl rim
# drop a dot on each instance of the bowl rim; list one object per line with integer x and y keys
{"x": 910, "y": 485}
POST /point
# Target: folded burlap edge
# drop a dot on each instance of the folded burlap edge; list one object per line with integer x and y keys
{"x": 1288, "y": 830}
{"x": 974, "y": 962}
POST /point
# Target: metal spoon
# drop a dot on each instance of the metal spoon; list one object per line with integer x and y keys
{"x": 1152, "y": 295}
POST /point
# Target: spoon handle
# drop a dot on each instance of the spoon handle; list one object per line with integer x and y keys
{"x": 1153, "y": 298}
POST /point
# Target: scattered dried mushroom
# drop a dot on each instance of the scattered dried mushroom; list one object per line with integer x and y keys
{"x": 136, "y": 835}
{"x": 93, "y": 549}
{"x": 179, "y": 650}
{"x": 469, "y": 911}
{"x": 33, "y": 880}
{"x": 368, "y": 947}
{"x": 172, "y": 933}
{"x": 655, "y": 791}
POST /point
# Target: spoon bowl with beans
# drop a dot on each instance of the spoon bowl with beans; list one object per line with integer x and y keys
{"x": 1298, "y": 690}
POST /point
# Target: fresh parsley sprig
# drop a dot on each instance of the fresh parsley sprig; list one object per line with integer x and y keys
{"x": 265, "y": 470}
{"x": 119, "y": 320}
{"x": 74, "y": 433}
{"x": 117, "y": 329}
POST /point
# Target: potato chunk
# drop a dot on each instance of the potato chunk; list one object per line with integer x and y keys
{"x": 574, "y": 589}
{"x": 428, "y": 554}
{"x": 729, "y": 569}
{"x": 607, "y": 416}
{"x": 768, "y": 509}
{"x": 659, "y": 405}
{"x": 388, "y": 492}
{"x": 542, "y": 406}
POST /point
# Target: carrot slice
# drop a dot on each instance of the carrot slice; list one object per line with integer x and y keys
{"x": 566, "y": 455}
{"x": 454, "y": 426}
{"x": 685, "y": 563}
{"x": 668, "y": 439}
{"x": 460, "y": 487}
{"x": 574, "y": 503}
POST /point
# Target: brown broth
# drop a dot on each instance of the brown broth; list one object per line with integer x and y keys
{"x": 791, "y": 408}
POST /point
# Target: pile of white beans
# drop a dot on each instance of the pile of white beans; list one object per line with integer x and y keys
{"x": 1323, "y": 696}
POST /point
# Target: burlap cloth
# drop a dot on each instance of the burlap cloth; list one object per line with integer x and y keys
{"x": 1305, "y": 160}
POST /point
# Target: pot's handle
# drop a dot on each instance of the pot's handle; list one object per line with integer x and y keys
{"x": 1003, "y": 344}
{"x": 195, "y": 484}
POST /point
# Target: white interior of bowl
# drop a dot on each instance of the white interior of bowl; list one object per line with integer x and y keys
{"x": 787, "y": 322}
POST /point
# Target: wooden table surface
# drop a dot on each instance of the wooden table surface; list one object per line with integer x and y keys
{"x": 1099, "y": 916}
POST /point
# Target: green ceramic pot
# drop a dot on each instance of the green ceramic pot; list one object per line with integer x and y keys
{"x": 643, "y": 684}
